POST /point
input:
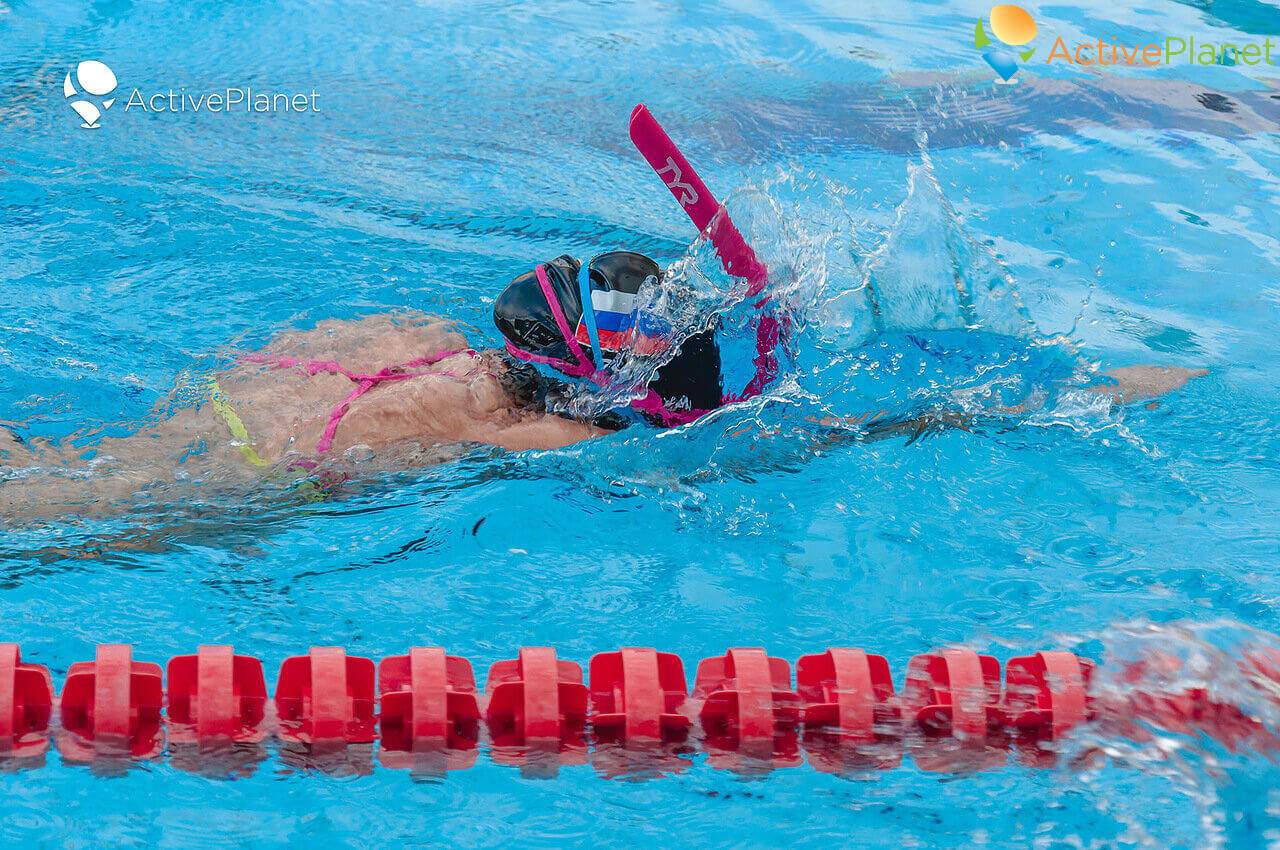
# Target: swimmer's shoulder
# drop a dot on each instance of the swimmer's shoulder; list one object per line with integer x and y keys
{"x": 372, "y": 341}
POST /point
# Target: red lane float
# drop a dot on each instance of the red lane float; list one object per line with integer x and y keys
{"x": 953, "y": 713}
{"x": 216, "y": 697}
{"x": 637, "y": 699}
{"x": 953, "y": 693}
{"x": 111, "y": 706}
{"x": 636, "y": 696}
{"x": 847, "y": 692}
{"x": 850, "y": 717}
{"x": 26, "y": 704}
{"x": 1157, "y": 696}
{"x": 430, "y": 714}
{"x": 1047, "y": 694}
{"x": 537, "y": 707}
{"x": 748, "y": 709}
{"x": 326, "y": 697}
{"x": 953, "y": 699}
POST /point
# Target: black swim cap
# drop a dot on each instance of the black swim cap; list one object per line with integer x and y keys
{"x": 524, "y": 317}
{"x": 526, "y": 320}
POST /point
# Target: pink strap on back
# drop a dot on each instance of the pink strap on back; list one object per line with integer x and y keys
{"x": 364, "y": 382}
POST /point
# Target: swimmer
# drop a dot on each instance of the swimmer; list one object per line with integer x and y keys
{"x": 541, "y": 314}
{"x": 389, "y": 391}
{"x": 384, "y": 393}
{"x": 395, "y": 392}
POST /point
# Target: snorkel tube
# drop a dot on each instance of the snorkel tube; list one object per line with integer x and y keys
{"x": 713, "y": 220}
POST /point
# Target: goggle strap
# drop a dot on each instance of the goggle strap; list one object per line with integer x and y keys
{"x": 573, "y": 370}
{"x": 561, "y": 322}
{"x": 589, "y": 311}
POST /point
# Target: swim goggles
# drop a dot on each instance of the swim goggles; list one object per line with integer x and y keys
{"x": 575, "y": 317}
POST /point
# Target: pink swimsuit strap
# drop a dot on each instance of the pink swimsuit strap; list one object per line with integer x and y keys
{"x": 363, "y": 382}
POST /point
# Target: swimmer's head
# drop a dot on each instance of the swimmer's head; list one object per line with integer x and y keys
{"x": 542, "y": 317}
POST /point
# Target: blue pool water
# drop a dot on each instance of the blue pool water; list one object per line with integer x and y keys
{"x": 1098, "y": 219}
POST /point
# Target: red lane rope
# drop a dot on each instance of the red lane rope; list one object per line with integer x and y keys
{"x": 957, "y": 711}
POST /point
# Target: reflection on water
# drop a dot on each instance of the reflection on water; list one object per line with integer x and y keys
{"x": 965, "y": 110}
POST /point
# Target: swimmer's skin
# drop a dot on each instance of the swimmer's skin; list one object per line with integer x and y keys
{"x": 286, "y": 410}
{"x": 1144, "y": 383}
{"x": 398, "y": 426}
{"x": 1126, "y": 384}
{"x": 395, "y": 426}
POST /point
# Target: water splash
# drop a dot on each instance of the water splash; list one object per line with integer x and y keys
{"x": 925, "y": 322}
{"x": 1189, "y": 715}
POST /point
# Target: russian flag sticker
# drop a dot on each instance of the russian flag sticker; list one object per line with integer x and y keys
{"x": 615, "y": 318}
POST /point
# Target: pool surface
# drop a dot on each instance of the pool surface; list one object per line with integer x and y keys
{"x": 940, "y": 241}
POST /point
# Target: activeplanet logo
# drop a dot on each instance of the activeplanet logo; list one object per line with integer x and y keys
{"x": 91, "y": 82}
{"x": 97, "y": 79}
{"x": 1014, "y": 27}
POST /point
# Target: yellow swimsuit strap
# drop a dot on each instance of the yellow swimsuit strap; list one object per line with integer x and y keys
{"x": 240, "y": 438}
{"x": 239, "y": 434}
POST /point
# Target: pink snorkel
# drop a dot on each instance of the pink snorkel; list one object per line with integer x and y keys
{"x": 712, "y": 219}
{"x": 735, "y": 255}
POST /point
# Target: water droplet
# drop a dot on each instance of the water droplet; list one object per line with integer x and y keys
{"x": 359, "y": 453}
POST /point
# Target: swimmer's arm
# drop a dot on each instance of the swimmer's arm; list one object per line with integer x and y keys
{"x": 872, "y": 428}
{"x": 543, "y": 432}
{"x": 1130, "y": 384}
